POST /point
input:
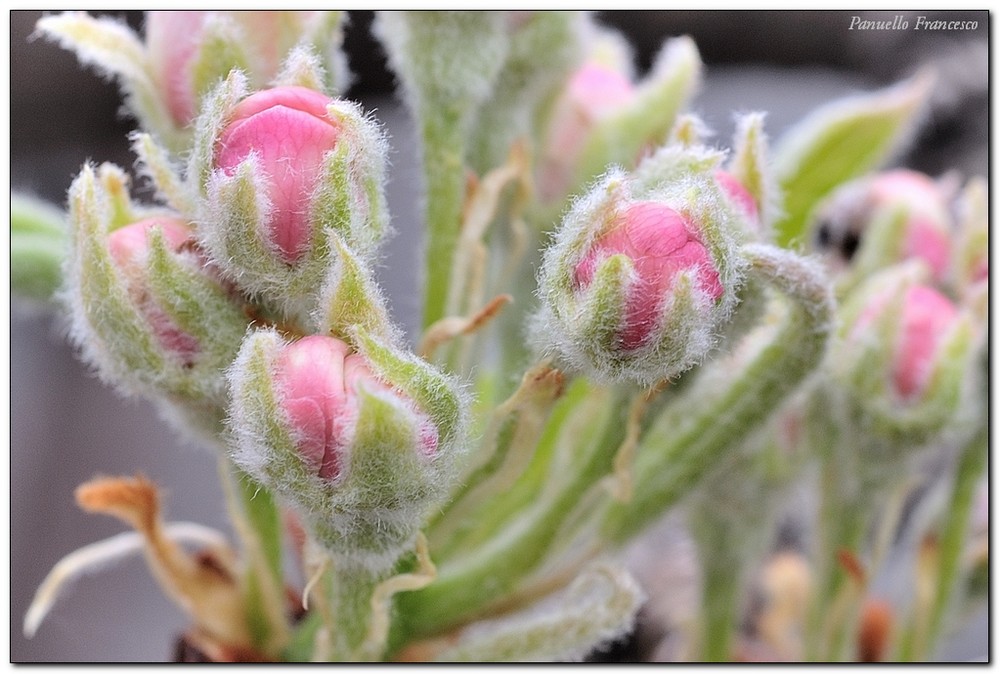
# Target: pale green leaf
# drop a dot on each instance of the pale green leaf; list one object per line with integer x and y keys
{"x": 840, "y": 141}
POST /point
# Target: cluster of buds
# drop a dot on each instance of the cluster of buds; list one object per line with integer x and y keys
{"x": 644, "y": 271}
{"x": 276, "y": 221}
{"x": 911, "y": 260}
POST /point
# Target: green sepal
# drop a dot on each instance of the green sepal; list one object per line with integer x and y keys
{"x": 438, "y": 395}
{"x": 840, "y": 141}
{"x": 108, "y": 327}
{"x": 201, "y": 307}
{"x": 219, "y": 51}
{"x": 154, "y": 161}
{"x": 351, "y": 299}
{"x": 215, "y": 108}
{"x": 324, "y": 35}
{"x": 750, "y": 165}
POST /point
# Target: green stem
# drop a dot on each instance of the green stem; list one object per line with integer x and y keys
{"x": 350, "y": 604}
{"x": 849, "y": 487}
{"x": 257, "y": 523}
{"x": 493, "y": 570}
{"x": 971, "y": 464}
{"x": 721, "y": 592}
{"x": 672, "y": 459}
{"x": 443, "y": 135}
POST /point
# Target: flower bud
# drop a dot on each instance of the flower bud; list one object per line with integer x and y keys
{"x": 147, "y": 310}
{"x": 285, "y": 166}
{"x": 190, "y": 50}
{"x": 925, "y": 318}
{"x": 130, "y": 250}
{"x": 661, "y": 246}
{"x": 319, "y": 381}
{"x": 361, "y": 459}
{"x": 642, "y": 275}
{"x": 905, "y": 353}
{"x": 848, "y": 221}
{"x": 595, "y": 91}
{"x": 288, "y": 131}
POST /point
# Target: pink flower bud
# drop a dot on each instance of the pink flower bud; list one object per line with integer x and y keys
{"x": 174, "y": 38}
{"x": 319, "y": 380}
{"x": 661, "y": 245}
{"x": 129, "y": 248}
{"x": 926, "y": 317}
{"x": 738, "y": 195}
{"x": 927, "y": 232}
{"x": 289, "y": 131}
{"x": 593, "y": 93}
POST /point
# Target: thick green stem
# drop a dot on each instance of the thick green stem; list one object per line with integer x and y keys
{"x": 672, "y": 459}
{"x": 443, "y": 135}
{"x": 350, "y": 605}
{"x": 721, "y": 593}
{"x": 493, "y": 570}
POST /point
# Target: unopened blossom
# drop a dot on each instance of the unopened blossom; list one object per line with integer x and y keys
{"x": 660, "y": 245}
{"x": 129, "y": 247}
{"x": 594, "y": 92}
{"x": 926, "y": 317}
{"x": 319, "y": 380}
{"x": 287, "y": 130}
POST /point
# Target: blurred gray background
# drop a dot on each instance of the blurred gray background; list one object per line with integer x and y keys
{"x": 66, "y": 427}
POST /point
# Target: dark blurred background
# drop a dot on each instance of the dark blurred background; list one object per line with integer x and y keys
{"x": 66, "y": 427}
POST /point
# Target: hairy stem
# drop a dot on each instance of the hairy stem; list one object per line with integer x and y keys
{"x": 444, "y": 138}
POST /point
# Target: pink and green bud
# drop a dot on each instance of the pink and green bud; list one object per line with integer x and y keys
{"x": 190, "y": 51}
{"x": 594, "y": 92}
{"x": 662, "y": 248}
{"x": 887, "y": 218}
{"x": 287, "y": 131}
{"x": 642, "y": 276}
{"x": 285, "y": 170}
{"x": 130, "y": 250}
{"x": 347, "y": 438}
{"x": 926, "y": 316}
{"x": 148, "y": 311}
{"x": 319, "y": 380}
{"x": 905, "y": 354}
